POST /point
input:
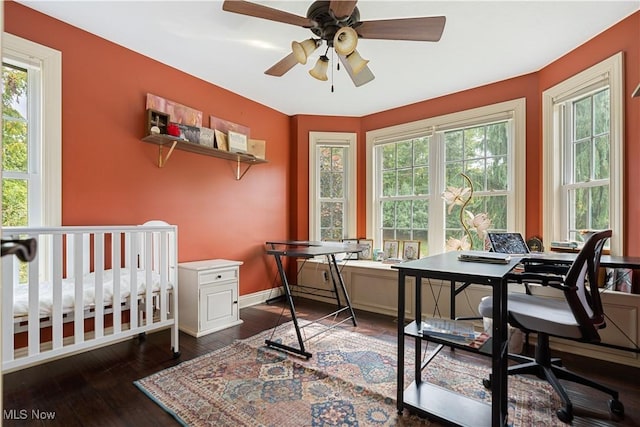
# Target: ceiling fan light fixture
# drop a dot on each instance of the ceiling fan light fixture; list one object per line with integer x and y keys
{"x": 356, "y": 62}
{"x": 345, "y": 40}
{"x": 302, "y": 50}
{"x": 320, "y": 70}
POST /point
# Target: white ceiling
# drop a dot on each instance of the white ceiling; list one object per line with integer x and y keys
{"x": 483, "y": 42}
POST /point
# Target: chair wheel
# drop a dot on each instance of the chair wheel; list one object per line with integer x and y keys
{"x": 616, "y": 407}
{"x": 564, "y": 415}
{"x": 486, "y": 382}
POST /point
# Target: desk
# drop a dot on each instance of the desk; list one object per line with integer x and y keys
{"x": 448, "y": 406}
{"x": 433, "y": 401}
{"x": 306, "y": 249}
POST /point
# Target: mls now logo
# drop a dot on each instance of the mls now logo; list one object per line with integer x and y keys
{"x": 23, "y": 414}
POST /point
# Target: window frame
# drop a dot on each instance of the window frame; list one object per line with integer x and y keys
{"x": 336, "y": 139}
{"x": 49, "y": 157}
{"x": 434, "y": 127}
{"x": 554, "y": 209}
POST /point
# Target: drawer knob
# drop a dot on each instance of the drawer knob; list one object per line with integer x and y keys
{"x": 219, "y": 276}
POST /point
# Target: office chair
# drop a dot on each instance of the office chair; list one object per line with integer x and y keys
{"x": 576, "y": 317}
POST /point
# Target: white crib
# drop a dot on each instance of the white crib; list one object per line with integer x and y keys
{"x": 79, "y": 293}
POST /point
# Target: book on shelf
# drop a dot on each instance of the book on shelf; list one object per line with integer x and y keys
{"x": 484, "y": 256}
{"x": 456, "y": 331}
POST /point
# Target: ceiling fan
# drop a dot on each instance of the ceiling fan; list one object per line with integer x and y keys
{"x": 337, "y": 23}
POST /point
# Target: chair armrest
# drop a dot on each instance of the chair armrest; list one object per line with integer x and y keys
{"x": 545, "y": 279}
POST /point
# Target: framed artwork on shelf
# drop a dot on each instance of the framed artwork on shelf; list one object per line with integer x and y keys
{"x": 390, "y": 248}
{"x": 225, "y": 126}
{"x": 207, "y": 137}
{"x": 366, "y": 253}
{"x": 178, "y": 113}
{"x": 410, "y": 250}
{"x": 221, "y": 140}
{"x": 237, "y": 142}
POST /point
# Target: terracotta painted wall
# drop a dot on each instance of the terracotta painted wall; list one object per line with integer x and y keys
{"x": 111, "y": 177}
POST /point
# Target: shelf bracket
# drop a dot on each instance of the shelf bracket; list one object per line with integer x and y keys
{"x": 163, "y": 161}
{"x": 239, "y": 173}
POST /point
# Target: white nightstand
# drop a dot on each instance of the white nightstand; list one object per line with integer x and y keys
{"x": 208, "y": 295}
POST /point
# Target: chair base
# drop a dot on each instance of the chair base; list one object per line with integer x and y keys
{"x": 550, "y": 369}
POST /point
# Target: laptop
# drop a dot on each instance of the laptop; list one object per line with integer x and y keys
{"x": 508, "y": 243}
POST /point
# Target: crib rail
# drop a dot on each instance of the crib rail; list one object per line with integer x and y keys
{"x": 122, "y": 281}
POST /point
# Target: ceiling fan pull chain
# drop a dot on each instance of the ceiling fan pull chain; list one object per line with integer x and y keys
{"x": 333, "y": 59}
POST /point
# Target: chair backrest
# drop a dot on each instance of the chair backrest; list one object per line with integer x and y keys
{"x": 582, "y": 292}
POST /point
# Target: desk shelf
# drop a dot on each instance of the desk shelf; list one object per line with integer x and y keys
{"x": 446, "y": 406}
{"x": 173, "y": 142}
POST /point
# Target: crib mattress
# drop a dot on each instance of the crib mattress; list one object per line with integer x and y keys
{"x": 21, "y": 292}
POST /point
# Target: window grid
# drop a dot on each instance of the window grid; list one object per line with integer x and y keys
{"x": 18, "y": 145}
{"x": 481, "y": 153}
{"x": 404, "y": 201}
{"x": 332, "y": 192}
{"x": 586, "y": 186}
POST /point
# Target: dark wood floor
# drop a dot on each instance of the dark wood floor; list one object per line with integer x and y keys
{"x": 96, "y": 388}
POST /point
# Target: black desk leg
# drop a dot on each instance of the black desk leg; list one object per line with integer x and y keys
{"x": 287, "y": 291}
{"x": 333, "y": 272}
{"x": 400, "y": 367}
{"x": 344, "y": 289}
{"x": 500, "y": 350}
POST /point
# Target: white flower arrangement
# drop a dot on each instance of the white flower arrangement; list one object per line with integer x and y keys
{"x": 479, "y": 223}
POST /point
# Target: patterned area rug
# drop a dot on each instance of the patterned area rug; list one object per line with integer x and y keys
{"x": 349, "y": 381}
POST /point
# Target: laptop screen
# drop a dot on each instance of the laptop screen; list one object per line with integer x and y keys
{"x": 508, "y": 243}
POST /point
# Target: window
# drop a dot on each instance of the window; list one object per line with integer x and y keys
{"x": 582, "y": 140}
{"x": 404, "y": 183}
{"x": 31, "y": 133}
{"x": 332, "y": 183}
{"x": 412, "y": 165}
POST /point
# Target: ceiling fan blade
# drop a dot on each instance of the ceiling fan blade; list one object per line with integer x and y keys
{"x": 342, "y": 8}
{"x": 419, "y": 29}
{"x": 259, "y": 11}
{"x": 364, "y": 76}
{"x": 282, "y": 66}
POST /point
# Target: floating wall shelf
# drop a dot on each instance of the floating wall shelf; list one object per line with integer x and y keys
{"x": 172, "y": 143}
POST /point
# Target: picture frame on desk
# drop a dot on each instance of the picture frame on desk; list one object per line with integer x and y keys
{"x": 366, "y": 253}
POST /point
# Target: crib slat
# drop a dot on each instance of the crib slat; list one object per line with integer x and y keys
{"x": 34, "y": 307}
{"x": 116, "y": 247}
{"x": 163, "y": 274}
{"x": 98, "y": 265}
{"x": 149, "y": 237}
{"x": 8, "y": 281}
{"x": 133, "y": 282}
{"x": 56, "y": 279}
{"x": 78, "y": 314}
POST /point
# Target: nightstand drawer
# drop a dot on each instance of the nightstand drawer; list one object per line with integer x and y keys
{"x": 207, "y": 277}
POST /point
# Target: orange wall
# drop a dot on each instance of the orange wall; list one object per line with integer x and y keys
{"x": 111, "y": 177}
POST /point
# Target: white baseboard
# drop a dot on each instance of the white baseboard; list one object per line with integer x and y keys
{"x": 259, "y": 297}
